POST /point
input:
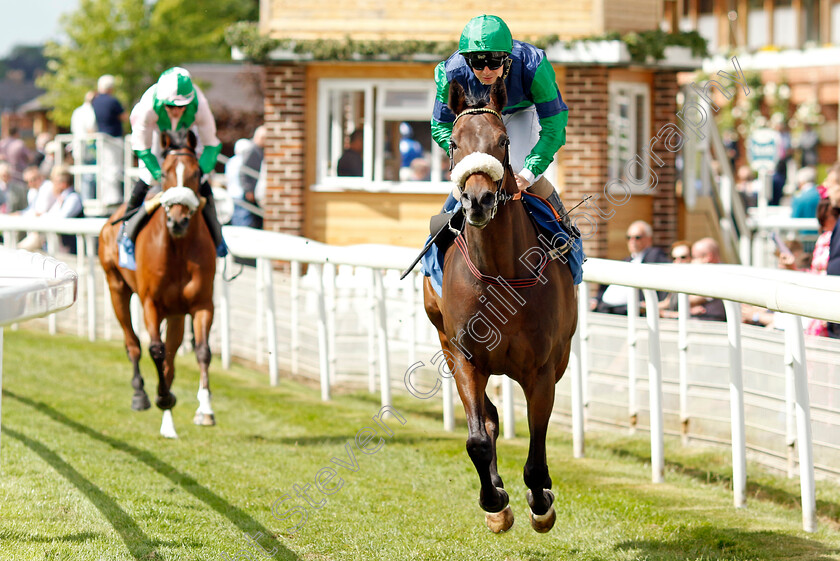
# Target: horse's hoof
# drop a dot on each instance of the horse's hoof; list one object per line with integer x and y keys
{"x": 499, "y": 521}
{"x": 140, "y": 402}
{"x": 542, "y": 523}
{"x": 204, "y": 419}
{"x": 166, "y": 401}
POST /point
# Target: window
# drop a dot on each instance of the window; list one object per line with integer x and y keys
{"x": 629, "y": 123}
{"x": 757, "y": 25}
{"x": 811, "y": 17}
{"x": 785, "y": 23}
{"x": 393, "y": 150}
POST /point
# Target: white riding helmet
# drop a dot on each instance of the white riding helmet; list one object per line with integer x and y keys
{"x": 175, "y": 87}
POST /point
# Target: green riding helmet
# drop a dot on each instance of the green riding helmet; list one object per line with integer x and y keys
{"x": 175, "y": 87}
{"x": 486, "y": 33}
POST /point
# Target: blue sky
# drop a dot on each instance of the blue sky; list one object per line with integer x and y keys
{"x": 31, "y": 22}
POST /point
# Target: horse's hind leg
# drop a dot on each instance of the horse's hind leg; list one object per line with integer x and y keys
{"x": 121, "y": 299}
{"x": 202, "y": 321}
{"x": 540, "y": 396}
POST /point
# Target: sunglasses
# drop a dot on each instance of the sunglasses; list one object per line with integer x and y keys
{"x": 492, "y": 60}
{"x": 685, "y": 256}
{"x": 634, "y": 237}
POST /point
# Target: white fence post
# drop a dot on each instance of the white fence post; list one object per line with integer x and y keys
{"x": 576, "y": 367}
{"x": 682, "y": 348}
{"x": 632, "y": 340}
{"x": 270, "y": 322}
{"x": 295, "y": 317}
{"x": 803, "y": 429}
{"x": 508, "y": 411}
{"x": 657, "y": 430}
{"x": 736, "y": 403}
{"x": 323, "y": 340}
{"x": 224, "y": 312}
{"x": 382, "y": 327}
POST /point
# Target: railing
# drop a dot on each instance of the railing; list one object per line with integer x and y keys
{"x": 31, "y": 286}
{"x": 392, "y": 330}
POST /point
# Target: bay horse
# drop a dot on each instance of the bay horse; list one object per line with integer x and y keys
{"x": 497, "y": 315}
{"x": 176, "y": 266}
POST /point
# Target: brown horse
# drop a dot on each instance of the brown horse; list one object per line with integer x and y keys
{"x": 513, "y": 320}
{"x": 176, "y": 265}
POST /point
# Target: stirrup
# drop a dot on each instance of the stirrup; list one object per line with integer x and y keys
{"x": 222, "y": 249}
{"x": 126, "y": 251}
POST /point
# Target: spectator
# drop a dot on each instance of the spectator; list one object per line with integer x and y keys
{"x": 780, "y": 173}
{"x": 421, "y": 170}
{"x": 612, "y": 299}
{"x": 44, "y": 156}
{"x": 248, "y": 176}
{"x": 706, "y": 251}
{"x": 14, "y": 151}
{"x": 832, "y": 186}
{"x": 746, "y": 186}
{"x": 110, "y": 115}
{"x": 83, "y": 126}
{"x": 809, "y": 141}
{"x": 350, "y": 164}
{"x": 680, "y": 254}
{"x": 410, "y": 150}
{"x": 40, "y": 195}
{"x": 66, "y": 203}
{"x": 12, "y": 192}
{"x": 806, "y": 198}
{"x": 234, "y": 165}
{"x": 827, "y": 217}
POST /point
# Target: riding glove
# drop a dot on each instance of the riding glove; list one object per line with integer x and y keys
{"x": 151, "y": 162}
{"x": 208, "y": 158}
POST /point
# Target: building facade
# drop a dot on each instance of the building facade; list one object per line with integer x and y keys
{"x": 312, "y": 107}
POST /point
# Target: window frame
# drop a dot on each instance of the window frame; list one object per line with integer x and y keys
{"x": 376, "y": 115}
{"x": 614, "y": 163}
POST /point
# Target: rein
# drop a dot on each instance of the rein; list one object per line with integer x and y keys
{"x": 500, "y": 197}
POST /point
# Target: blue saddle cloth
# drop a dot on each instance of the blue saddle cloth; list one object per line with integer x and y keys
{"x": 550, "y": 228}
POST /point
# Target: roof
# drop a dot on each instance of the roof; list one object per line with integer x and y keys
{"x": 234, "y": 86}
{"x": 14, "y": 93}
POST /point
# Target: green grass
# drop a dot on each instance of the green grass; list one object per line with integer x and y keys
{"x": 84, "y": 477}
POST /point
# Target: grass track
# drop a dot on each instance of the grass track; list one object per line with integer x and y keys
{"x": 84, "y": 477}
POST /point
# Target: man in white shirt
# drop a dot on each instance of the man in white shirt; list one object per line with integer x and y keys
{"x": 613, "y": 299}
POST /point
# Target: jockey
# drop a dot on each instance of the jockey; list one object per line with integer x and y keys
{"x": 535, "y": 116}
{"x": 173, "y": 103}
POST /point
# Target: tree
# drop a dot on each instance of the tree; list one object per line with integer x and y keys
{"x": 135, "y": 42}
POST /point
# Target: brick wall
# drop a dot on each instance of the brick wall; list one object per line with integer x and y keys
{"x": 285, "y": 103}
{"x": 664, "y": 224}
{"x": 585, "y": 153}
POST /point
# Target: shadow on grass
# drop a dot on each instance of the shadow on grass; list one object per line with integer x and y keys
{"x": 139, "y": 545}
{"x": 827, "y": 510}
{"x": 714, "y": 544}
{"x": 237, "y": 517}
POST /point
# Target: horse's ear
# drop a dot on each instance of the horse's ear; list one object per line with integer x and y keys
{"x": 165, "y": 140}
{"x": 457, "y": 97}
{"x": 192, "y": 141}
{"x": 498, "y": 95}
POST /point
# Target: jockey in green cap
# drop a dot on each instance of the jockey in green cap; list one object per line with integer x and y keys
{"x": 174, "y": 103}
{"x": 535, "y": 115}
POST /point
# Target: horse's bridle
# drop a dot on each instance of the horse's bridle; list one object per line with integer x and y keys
{"x": 500, "y": 196}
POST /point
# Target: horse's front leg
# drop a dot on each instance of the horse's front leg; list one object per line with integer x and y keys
{"x": 540, "y": 397}
{"x": 480, "y": 445}
{"x": 157, "y": 350}
{"x": 202, "y": 320}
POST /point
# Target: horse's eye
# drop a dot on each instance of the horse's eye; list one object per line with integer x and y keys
{"x": 504, "y": 142}
{"x": 452, "y": 146}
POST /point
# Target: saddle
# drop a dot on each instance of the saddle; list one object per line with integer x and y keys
{"x": 134, "y": 223}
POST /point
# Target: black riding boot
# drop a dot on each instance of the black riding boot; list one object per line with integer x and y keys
{"x": 212, "y": 219}
{"x": 555, "y": 201}
{"x": 132, "y": 225}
